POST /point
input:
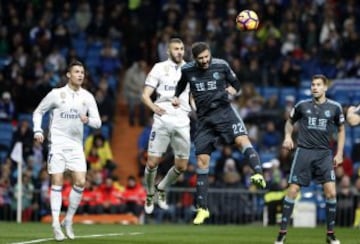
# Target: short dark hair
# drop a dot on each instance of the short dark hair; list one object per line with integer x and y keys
{"x": 175, "y": 40}
{"x": 74, "y": 63}
{"x": 321, "y": 77}
{"x": 199, "y": 47}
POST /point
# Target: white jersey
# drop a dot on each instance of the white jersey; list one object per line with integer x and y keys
{"x": 65, "y": 106}
{"x": 164, "y": 77}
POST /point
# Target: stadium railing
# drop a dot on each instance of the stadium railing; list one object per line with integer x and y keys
{"x": 226, "y": 205}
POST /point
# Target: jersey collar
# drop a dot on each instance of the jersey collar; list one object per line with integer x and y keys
{"x": 175, "y": 65}
{"x": 72, "y": 91}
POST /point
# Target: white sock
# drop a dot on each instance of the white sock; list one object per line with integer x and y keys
{"x": 74, "y": 201}
{"x": 150, "y": 175}
{"x": 55, "y": 203}
{"x": 169, "y": 178}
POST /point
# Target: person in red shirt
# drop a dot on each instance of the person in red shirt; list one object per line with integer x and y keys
{"x": 134, "y": 196}
{"x": 108, "y": 198}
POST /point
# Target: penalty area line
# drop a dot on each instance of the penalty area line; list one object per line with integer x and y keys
{"x": 79, "y": 237}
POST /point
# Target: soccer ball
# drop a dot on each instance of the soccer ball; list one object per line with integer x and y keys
{"x": 247, "y": 20}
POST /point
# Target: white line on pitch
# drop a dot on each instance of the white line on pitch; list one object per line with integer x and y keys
{"x": 85, "y": 236}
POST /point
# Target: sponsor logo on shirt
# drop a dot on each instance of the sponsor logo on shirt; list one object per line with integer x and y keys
{"x": 71, "y": 114}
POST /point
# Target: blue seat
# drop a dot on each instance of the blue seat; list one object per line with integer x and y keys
{"x": 112, "y": 81}
{"x": 342, "y": 97}
{"x": 3, "y": 155}
{"x": 285, "y": 92}
{"x": 303, "y": 93}
{"x": 355, "y": 98}
{"x": 25, "y": 116}
{"x": 87, "y": 131}
{"x": 6, "y": 135}
{"x": 268, "y": 92}
{"x": 116, "y": 44}
{"x": 348, "y": 140}
{"x": 80, "y": 45}
{"x": 106, "y": 131}
{"x": 266, "y": 156}
{"x": 92, "y": 55}
{"x": 305, "y": 84}
{"x": 355, "y": 134}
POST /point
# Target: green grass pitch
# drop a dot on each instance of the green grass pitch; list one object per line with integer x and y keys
{"x": 174, "y": 234}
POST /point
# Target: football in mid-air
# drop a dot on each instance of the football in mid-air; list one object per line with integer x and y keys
{"x": 247, "y": 20}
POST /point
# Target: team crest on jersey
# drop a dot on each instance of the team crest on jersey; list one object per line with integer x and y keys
{"x": 327, "y": 113}
{"x": 216, "y": 75}
{"x": 62, "y": 95}
{"x": 193, "y": 78}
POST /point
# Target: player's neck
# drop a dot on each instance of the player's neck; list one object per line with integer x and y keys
{"x": 320, "y": 100}
{"x": 73, "y": 87}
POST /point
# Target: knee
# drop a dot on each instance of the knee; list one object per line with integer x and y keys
{"x": 80, "y": 183}
{"x": 292, "y": 192}
{"x": 181, "y": 164}
{"x": 330, "y": 194}
{"x": 203, "y": 162}
{"x": 152, "y": 162}
{"x": 330, "y": 190}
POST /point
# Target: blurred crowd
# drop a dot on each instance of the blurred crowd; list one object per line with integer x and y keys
{"x": 119, "y": 41}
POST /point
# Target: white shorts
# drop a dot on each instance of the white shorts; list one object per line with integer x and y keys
{"x": 166, "y": 131}
{"x": 62, "y": 159}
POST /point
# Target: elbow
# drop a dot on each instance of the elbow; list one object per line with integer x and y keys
{"x": 96, "y": 124}
{"x": 351, "y": 120}
{"x": 143, "y": 97}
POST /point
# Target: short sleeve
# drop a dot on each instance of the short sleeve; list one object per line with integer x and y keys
{"x": 152, "y": 79}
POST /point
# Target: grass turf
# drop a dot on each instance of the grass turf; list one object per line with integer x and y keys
{"x": 173, "y": 234}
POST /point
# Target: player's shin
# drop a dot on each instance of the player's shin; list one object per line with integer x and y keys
{"x": 169, "y": 178}
{"x": 74, "y": 201}
{"x": 202, "y": 188}
{"x": 253, "y": 159}
{"x": 150, "y": 175}
{"x": 288, "y": 206}
{"x": 55, "y": 203}
{"x": 330, "y": 214}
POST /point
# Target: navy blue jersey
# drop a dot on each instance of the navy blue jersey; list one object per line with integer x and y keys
{"x": 317, "y": 122}
{"x": 208, "y": 85}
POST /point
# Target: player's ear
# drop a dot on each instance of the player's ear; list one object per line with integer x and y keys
{"x": 68, "y": 74}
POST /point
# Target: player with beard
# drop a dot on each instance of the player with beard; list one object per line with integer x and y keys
{"x": 318, "y": 119}
{"x": 211, "y": 81}
{"x": 171, "y": 125}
